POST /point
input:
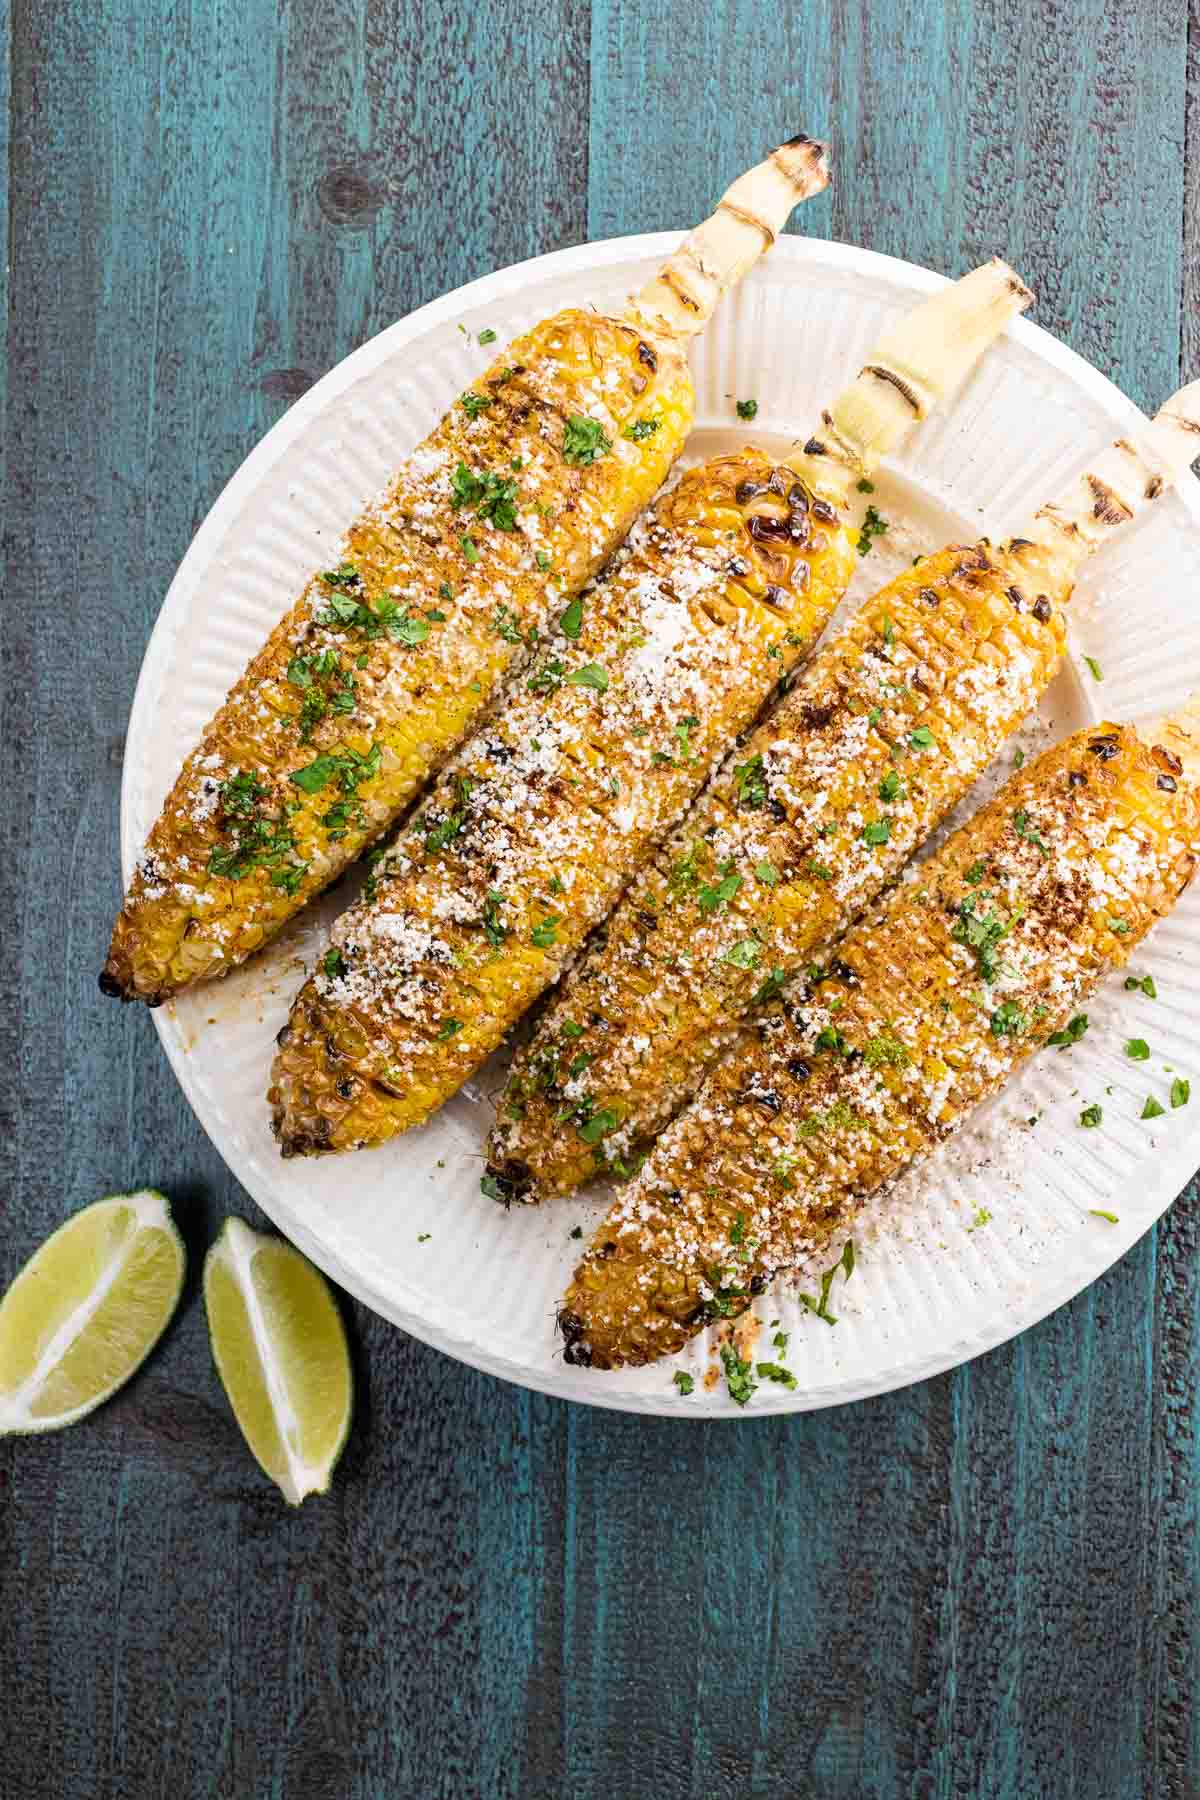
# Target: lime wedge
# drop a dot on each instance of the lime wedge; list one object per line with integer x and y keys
{"x": 280, "y": 1349}
{"x": 86, "y": 1310}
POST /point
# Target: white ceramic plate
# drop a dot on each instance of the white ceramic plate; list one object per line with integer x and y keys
{"x": 933, "y": 1286}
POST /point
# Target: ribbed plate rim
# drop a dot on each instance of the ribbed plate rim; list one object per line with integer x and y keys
{"x": 1167, "y": 1170}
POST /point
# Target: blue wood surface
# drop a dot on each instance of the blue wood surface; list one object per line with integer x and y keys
{"x": 985, "y": 1586}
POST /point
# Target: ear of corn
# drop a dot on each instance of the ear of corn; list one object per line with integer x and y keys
{"x": 517, "y": 497}
{"x": 926, "y": 1011}
{"x": 526, "y": 840}
{"x": 879, "y": 739}
{"x": 560, "y": 801}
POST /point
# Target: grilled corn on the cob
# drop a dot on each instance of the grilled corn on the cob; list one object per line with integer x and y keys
{"x": 530, "y": 835}
{"x": 881, "y": 736}
{"x": 927, "y": 1009}
{"x": 516, "y": 497}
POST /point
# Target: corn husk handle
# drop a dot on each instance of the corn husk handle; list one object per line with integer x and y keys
{"x": 913, "y": 368}
{"x": 683, "y": 295}
{"x": 1119, "y": 482}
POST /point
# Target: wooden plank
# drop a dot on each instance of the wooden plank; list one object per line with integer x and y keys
{"x": 945, "y": 1568}
{"x": 191, "y": 245}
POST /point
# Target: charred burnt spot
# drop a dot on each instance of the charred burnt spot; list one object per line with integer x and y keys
{"x": 748, "y": 490}
{"x": 815, "y": 447}
{"x": 816, "y": 714}
{"x": 758, "y": 1285}
{"x": 881, "y": 372}
{"x": 930, "y": 596}
{"x": 778, "y": 597}
{"x": 576, "y": 1350}
{"x": 767, "y": 1098}
{"x": 346, "y": 1088}
{"x": 1020, "y": 543}
{"x": 1154, "y": 487}
{"x": 797, "y": 497}
{"x": 737, "y": 565}
{"x": 1016, "y": 596}
{"x": 821, "y": 509}
{"x": 109, "y": 985}
{"x": 283, "y": 1036}
{"x": 798, "y": 1069}
{"x": 699, "y": 1315}
{"x": 646, "y": 919}
{"x": 647, "y": 355}
{"x": 841, "y": 971}
{"x": 1167, "y": 783}
{"x": 1042, "y": 609}
{"x": 507, "y": 1181}
{"x": 1106, "y": 746}
{"x": 1077, "y": 779}
{"x": 1166, "y": 760}
{"x": 1107, "y": 506}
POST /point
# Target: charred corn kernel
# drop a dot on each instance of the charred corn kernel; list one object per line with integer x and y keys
{"x": 881, "y": 735}
{"x": 380, "y": 667}
{"x": 927, "y": 1010}
{"x": 527, "y": 839}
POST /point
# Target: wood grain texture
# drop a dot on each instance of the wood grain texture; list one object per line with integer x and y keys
{"x": 986, "y": 1586}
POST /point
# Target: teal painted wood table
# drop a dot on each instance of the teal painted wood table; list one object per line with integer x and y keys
{"x": 983, "y": 1586}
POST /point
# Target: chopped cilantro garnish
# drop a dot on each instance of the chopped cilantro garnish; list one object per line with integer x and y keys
{"x": 747, "y": 409}
{"x": 889, "y": 787}
{"x": 599, "y": 1125}
{"x": 490, "y": 494}
{"x": 1091, "y": 1116}
{"x": 506, "y": 625}
{"x": 1093, "y": 668}
{"x": 467, "y": 546}
{"x": 1181, "y": 1092}
{"x": 820, "y": 1306}
{"x": 873, "y": 526}
{"x": 715, "y": 895}
{"x": 738, "y": 1377}
{"x": 767, "y": 873}
{"x": 1070, "y": 1034}
{"x": 744, "y": 955}
{"x": 885, "y": 1051}
{"x": 1137, "y": 1050}
{"x": 776, "y": 1372}
{"x": 975, "y": 873}
{"x": 571, "y": 1030}
{"x": 542, "y": 560}
{"x": 982, "y": 1217}
{"x": 683, "y": 1381}
{"x": 1023, "y": 829}
{"x": 487, "y": 335}
{"x": 981, "y": 932}
{"x": 592, "y": 675}
{"x": 571, "y": 620}
{"x": 922, "y": 738}
{"x": 448, "y": 1029}
{"x": 751, "y": 782}
{"x": 474, "y": 404}
{"x": 641, "y": 429}
{"x": 543, "y": 937}
{"x": 334, "y": 964}
{"x": 1144, "y": 982}
{"x": 1098, "y": 1212}
{"x": 585, "y": 441}
{"x": 771, "y": 988}
{"x": 1152, "y": 1109}
{"x": 865, "y": 487}
{"x": 878, "y": 831}
{"x": 493, "y": 928}
{"x": 1008, "y": 1020}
